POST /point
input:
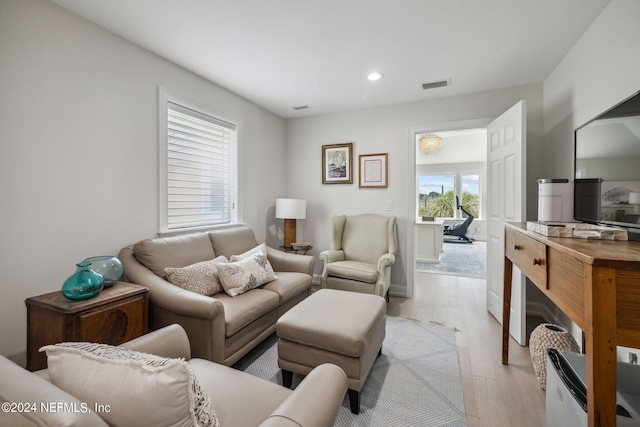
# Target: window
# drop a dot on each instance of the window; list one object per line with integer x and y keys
{"x": 198, "y": 166}
{"x": 437, "y": 194}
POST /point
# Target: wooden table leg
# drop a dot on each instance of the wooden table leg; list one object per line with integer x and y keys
{"x": 601, "y": 339}
{"x": 506, "y": 309}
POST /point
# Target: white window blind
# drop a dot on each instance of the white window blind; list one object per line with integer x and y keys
{"x": 200, "y": 169}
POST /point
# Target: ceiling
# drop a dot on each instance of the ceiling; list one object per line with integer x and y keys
{"x": 282, "y": 54}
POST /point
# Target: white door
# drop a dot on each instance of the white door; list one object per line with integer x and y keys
{"x": 506, "y": 170}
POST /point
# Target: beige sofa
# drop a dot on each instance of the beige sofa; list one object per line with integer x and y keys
{"x": 315, "y": 402}
{"x": 221, "y": 328}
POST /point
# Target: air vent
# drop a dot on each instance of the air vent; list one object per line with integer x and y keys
{"x": 301, "y": 107}
{"x": 434, "y": 85}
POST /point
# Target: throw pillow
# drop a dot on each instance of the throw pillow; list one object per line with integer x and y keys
{"x": 201, "y": 277}
{"x": 240, "y": 276}
{"x": 260, "y": 249}
{"x": 130, "y": 387}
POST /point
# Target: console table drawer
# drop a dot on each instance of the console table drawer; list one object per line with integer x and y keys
{"x": 528, "y": 254}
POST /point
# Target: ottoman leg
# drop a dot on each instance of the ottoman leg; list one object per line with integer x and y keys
{"x": 287, "y": 378}
{"x": 354, "y": 401}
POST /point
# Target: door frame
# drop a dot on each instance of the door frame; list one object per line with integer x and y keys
{"x": 412, "y": 133}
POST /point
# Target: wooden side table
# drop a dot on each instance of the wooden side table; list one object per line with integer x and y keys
{"x": 116, "y": 315}
{"x": 293, "y": 250}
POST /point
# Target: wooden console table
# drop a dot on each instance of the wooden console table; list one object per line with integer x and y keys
{"x": 594, "y": 282}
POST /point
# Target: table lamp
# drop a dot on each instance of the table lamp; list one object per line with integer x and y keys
{"x": 290, "y": 210}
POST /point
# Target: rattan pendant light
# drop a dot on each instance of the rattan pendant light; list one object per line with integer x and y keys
{"x": 430, "y": 143}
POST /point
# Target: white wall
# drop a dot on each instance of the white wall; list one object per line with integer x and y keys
{"x": 602, "y": 69}
{"x": 78, "y": 150}
{"x": 385, "y": 130}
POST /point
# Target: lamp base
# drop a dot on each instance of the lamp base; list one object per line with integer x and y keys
{"x": 289, "y": 232}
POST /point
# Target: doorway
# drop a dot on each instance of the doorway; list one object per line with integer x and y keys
{"x": 451, "y": 188}
{"x": 506, "y": 172}
{"x": 458, "y": 159}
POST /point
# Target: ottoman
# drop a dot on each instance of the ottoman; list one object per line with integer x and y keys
{"x": 332, "y": 326}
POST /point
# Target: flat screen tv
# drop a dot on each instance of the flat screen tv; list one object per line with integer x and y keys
{"x": 607, "y": 167}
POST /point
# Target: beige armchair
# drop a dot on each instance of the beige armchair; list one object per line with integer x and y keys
{"x": 363, "y": 249}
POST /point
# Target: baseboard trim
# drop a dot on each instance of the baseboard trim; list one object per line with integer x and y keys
{"x": 398, "y": 291}
{"x": 541, "y": 310}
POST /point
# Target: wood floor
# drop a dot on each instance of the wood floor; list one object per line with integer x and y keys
{"x": 494, "y": 394}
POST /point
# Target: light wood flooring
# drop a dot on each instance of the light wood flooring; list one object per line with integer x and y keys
{"x": 494, "y": 394}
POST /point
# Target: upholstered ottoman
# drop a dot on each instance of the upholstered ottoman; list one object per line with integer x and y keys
{"x": 331, "y": 326}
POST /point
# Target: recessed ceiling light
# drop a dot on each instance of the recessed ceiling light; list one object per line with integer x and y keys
{"x": 375, "y": 76}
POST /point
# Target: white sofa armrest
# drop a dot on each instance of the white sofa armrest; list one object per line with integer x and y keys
{"x": 284, "y": 261}
{"x": 315, "y": 402}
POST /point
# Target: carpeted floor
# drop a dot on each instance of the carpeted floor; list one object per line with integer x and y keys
{"x": 415, "y": 382}
{"x": 459, "y": 259}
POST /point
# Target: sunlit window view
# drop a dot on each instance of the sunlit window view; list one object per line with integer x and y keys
{"x": 437, "y": 195}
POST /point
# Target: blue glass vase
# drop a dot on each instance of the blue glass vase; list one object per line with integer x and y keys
{"x": 108, "y": 266}
{"x": 84, "y": 283}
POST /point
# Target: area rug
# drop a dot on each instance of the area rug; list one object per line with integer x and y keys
{"x": 459, "y": 259}
{"x": 415, "y": 382}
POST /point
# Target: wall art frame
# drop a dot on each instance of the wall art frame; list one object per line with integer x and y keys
{"x": 337, "y": 163}
{"x": 374, "y": 170}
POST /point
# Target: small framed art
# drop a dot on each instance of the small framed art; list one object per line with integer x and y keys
{"x": 337, "y": 164}
{"x": 373, "y": 170}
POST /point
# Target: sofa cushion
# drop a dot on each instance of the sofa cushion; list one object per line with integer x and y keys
{"x": 20, "y": 386}
{"x": 232, "y": 241}
{"x": 354, "y": 270}
{"x": 201, "y": 277}
{"x": 248, "y": 273}
{"x": 136, "y": 386}
{"x": 260, "y": 249}
{"x": 175, "y": 251}
{"x": 241, "y": 310}
{"x": 289, "y": 285}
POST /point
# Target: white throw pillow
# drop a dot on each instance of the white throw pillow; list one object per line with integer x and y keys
{"x": 201, "y": 277}
{"x": 240, "y": 276}
{"x": 260, "y": 249}
{"x": 130, "y": 387}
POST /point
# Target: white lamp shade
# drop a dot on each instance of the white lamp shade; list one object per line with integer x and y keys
{"x": 291, "y": 208}
{"x": 634, "y": 198}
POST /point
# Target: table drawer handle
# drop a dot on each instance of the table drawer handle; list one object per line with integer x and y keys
{"x": 516, "y": 247}
{"x": 537, "y": 261}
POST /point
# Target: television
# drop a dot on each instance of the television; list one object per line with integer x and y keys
{"x": 607, "y": 167}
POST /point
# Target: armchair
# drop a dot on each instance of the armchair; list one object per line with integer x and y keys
{"x": 363, "y": 249}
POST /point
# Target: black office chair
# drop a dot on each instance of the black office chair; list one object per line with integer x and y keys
{"x": 458, "y": 233}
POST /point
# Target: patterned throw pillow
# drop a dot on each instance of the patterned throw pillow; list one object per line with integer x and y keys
{"x": 240, "y": 276}
{"x": 260, "y": 249}
{"x": 139, "y": 388}
{"x": 201, "y": 277}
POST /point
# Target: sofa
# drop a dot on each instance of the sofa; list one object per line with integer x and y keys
{"x": 237, "y": 398}
{"x": 221, "y": 328}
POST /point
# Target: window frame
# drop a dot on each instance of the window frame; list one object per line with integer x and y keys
{"x": 165, "y": 97}
{"x": 457, "y": 189}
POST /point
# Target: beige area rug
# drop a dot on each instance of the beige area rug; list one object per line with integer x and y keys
{"x": 415, "y": 382}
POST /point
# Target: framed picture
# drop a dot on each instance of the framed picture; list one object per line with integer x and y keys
{"x": 337, "y": 164}
{"x": 373, "y": 170}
